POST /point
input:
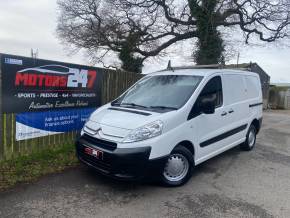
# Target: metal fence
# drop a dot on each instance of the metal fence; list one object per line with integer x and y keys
{"x": 113, "y": 84}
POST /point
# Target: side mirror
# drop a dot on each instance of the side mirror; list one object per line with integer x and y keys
{"x": 207, "y": 105}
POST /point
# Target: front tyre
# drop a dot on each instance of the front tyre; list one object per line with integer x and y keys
{"x": 178, "y": 167}
{"x": 250, "y": 142}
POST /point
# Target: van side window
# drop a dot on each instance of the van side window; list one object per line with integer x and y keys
{"x": 212, "y": 90}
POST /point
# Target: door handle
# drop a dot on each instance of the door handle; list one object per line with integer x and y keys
{"x": 224, "y": 113}
{"x": 231, "y": 111}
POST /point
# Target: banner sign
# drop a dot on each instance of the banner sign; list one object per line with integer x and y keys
{"x": 36, "y": 85}
{"x": 37, "y": 124}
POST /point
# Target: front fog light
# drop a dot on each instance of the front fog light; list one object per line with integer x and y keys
{"x": 145, "y": 132}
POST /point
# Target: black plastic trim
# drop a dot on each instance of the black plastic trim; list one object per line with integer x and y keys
{"x": 92, "y": 141}
{"x": 260, "y": 124}
{"x": 223, "y": 136}
{"x": 261, "y": 121}
{"x": 254, "y": 105}
{"x": 129, "y": 111}
{"x": 123, "y": 163}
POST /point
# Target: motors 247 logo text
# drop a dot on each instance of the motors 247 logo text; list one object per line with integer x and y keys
{"x": 55, "y": 76}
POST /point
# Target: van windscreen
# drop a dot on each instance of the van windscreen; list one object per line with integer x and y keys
{"x": 161, "y": 92}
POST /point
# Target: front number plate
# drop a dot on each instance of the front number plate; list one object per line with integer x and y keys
{"x": 94, "y": 152}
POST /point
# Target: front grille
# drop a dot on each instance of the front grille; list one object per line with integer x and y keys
{"x": 99, "y": 142}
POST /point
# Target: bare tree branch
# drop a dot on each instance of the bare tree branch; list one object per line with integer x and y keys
{"x": 138, "y": 29}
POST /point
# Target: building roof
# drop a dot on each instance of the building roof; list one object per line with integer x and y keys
{"x": 254, "y": 67}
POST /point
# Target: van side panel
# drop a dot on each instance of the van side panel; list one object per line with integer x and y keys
{"x": 234, "y": 88}
{"x": 254, "y": 88}
{"x": 254, "y": 95}
{"x": 243, "y": 104}
{"x": 236, "y": 100}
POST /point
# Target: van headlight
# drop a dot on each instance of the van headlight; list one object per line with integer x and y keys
{"x": 82, "y": 131}
{"x": 145, "y": 132}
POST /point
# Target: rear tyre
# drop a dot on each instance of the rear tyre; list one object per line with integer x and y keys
{"x": 178, "y": 167}
{"x": 250, "y": 142}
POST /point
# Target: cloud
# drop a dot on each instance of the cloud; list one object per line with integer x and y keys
{"x": 27, "y": 24}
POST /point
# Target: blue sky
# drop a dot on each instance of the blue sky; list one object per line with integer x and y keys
{"x": 27, "y": 24}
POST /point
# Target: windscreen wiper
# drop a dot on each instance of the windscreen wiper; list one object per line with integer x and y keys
{"x": 133, "y": 105}
{"x": 163, "y": 107}
{"x": 115, "y": 104}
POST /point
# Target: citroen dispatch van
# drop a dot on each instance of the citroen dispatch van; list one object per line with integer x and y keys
{"x": 171, "y": 121}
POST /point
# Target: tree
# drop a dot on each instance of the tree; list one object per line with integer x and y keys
{"x": 102, "y": 26}
{"x": 138, "y": 29}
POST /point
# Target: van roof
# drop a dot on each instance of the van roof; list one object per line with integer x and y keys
{"x": 201, "y": 72}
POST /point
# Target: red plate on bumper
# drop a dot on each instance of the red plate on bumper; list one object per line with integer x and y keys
{"x": 94, "y": 152}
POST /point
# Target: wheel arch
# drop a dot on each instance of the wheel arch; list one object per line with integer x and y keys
{"x": 256, "y": 124}
{"x": 187, "y": 144}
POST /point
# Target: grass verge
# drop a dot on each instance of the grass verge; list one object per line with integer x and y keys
{"x": 29, "y": 168}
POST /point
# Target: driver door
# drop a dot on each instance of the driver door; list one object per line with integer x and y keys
{"x": 208, "y": 128}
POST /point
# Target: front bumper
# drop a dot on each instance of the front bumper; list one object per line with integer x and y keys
{"x": 120, "y": 163}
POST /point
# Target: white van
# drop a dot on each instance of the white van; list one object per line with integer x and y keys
{"x": 170, "y": 121}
